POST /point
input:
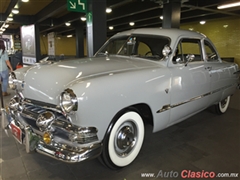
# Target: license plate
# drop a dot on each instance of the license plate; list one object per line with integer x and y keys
{"x": 17, "y": 133}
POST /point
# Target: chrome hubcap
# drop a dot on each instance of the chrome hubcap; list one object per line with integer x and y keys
{"x": 223, "y": 103}
{"x": 126, "y": 138}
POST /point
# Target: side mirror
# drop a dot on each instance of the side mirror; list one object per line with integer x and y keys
{"x": 190, "y": 57}
{"x": 166, "y": 51}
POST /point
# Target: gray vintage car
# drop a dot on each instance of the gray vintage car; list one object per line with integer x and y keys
{"x": 98, "y": 107}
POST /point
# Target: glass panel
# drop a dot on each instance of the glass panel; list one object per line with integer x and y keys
{"x": 185, "y": 48}
{"x": 211, "y": 53}
{"x": 144, "y": 46}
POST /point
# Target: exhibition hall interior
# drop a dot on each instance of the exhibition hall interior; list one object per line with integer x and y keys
{"x": 62, "y": 76}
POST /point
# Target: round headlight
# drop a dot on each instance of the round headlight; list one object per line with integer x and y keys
{"x": 68, "y": 101}
{"x": 11, "y": 79}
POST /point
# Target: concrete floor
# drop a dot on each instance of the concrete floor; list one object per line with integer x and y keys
{"x": 204, "y": 142}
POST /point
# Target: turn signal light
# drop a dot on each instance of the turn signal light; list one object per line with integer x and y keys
{"x": 47, "y": 137}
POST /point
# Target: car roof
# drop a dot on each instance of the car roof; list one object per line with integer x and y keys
{"x": 172, "y": 33}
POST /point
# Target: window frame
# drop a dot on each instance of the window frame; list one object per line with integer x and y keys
{"x": 208, "y": 43}
{"x": 188, "y": 39}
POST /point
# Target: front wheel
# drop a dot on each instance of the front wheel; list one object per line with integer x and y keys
{"x": 123, "y": 140}
{"x": 222, "y": 106}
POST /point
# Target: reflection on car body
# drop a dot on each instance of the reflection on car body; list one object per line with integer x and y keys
{"x": 98, "y": 107}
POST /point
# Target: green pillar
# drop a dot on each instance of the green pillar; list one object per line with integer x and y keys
{"x": 96, "y": 25}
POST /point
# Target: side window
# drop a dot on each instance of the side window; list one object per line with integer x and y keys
{"x": 187, "y": 48}
{"x": 143, "y": 49}
{"x": 211, "y": 53}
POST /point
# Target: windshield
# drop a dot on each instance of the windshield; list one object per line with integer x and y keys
{"x": 144, "y": 46}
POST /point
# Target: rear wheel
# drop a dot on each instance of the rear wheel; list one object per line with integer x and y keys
{"x": 222, "y": 106}
{"x": 123, "y": 140}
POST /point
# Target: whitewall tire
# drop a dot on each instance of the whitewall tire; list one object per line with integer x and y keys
{"x": 124, "y": 140}
{"x": 223, "y": 105}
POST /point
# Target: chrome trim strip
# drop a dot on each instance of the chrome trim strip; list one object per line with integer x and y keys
{"x": 217, "y": 90}
{"x": 29, "y": 102}
{"x": 89, "y": 152}
{"x": 43, "y": 105}
{"x": 164, "y": 108}
{"x": 168, "y": 106}
{"x": 192, "y": 99}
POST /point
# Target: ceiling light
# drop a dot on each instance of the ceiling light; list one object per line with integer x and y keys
{"x": 108, "y": 10}
{"x": 191, "y": 29}
{"x": 225, "y": 25}
{"x": 161, "y": 17}
{"x": 25, "y": 0}
{"x": 10, "y": 15}
{"x": 67, "y": 23}
{"x": 15, "y": 11}
{"x": 6, "y": 25}
{"x": 83, "y": 18}
{"x": 131, "y": 23}
{"x": 9, "y": 19}
{"x": 69, "y": 35}
{"x": 202, "y": 22}
{"x": 224, "y": 6}
{"x": 110, "y": 27}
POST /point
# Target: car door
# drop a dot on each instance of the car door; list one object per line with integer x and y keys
{"x": 221, "y": 73}
{"x": 190, "y": 85}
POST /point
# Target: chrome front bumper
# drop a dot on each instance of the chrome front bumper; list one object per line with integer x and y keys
{"x": 57, "y": 149}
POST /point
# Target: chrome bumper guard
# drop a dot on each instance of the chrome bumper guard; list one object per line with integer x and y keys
{"x": 60, "y": 151}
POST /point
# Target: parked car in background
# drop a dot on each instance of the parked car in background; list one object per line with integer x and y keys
{"x": 97, "y": 107}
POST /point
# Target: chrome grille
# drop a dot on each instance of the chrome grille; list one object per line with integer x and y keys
{"x": 30, "y": 113}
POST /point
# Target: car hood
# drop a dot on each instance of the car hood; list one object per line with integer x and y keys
{"x": 46, "y": 82}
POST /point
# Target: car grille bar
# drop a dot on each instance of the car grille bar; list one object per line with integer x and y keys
{"x": 30, "y": 112}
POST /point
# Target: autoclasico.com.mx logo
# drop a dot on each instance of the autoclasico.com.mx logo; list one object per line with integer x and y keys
{"x": 189, "y": 174}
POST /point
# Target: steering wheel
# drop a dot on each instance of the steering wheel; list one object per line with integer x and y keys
{"x": 148, "y": 53}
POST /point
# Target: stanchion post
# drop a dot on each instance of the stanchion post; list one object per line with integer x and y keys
{"x": 1, "y": 96}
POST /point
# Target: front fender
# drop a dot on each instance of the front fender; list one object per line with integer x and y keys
{"x": 101, "y": 98}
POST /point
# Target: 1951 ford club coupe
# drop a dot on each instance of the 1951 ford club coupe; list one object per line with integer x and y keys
{"x": 97, "y": 107}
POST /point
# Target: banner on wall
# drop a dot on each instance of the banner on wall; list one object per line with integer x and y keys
{"x": 51, "y": 44}
{"x": 28, "y": 44}
{"x": 17, "y": 42}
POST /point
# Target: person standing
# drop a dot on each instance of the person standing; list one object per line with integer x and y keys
{"x": 4, "y": 71}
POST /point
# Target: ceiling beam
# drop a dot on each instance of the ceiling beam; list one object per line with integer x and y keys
{"x": 128, "y": 10}
{"x": 62, "y": 21}
{"x": 211, "y": 10}
{"x": 52, "y": 9}
{"x": 3, "y": 16}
